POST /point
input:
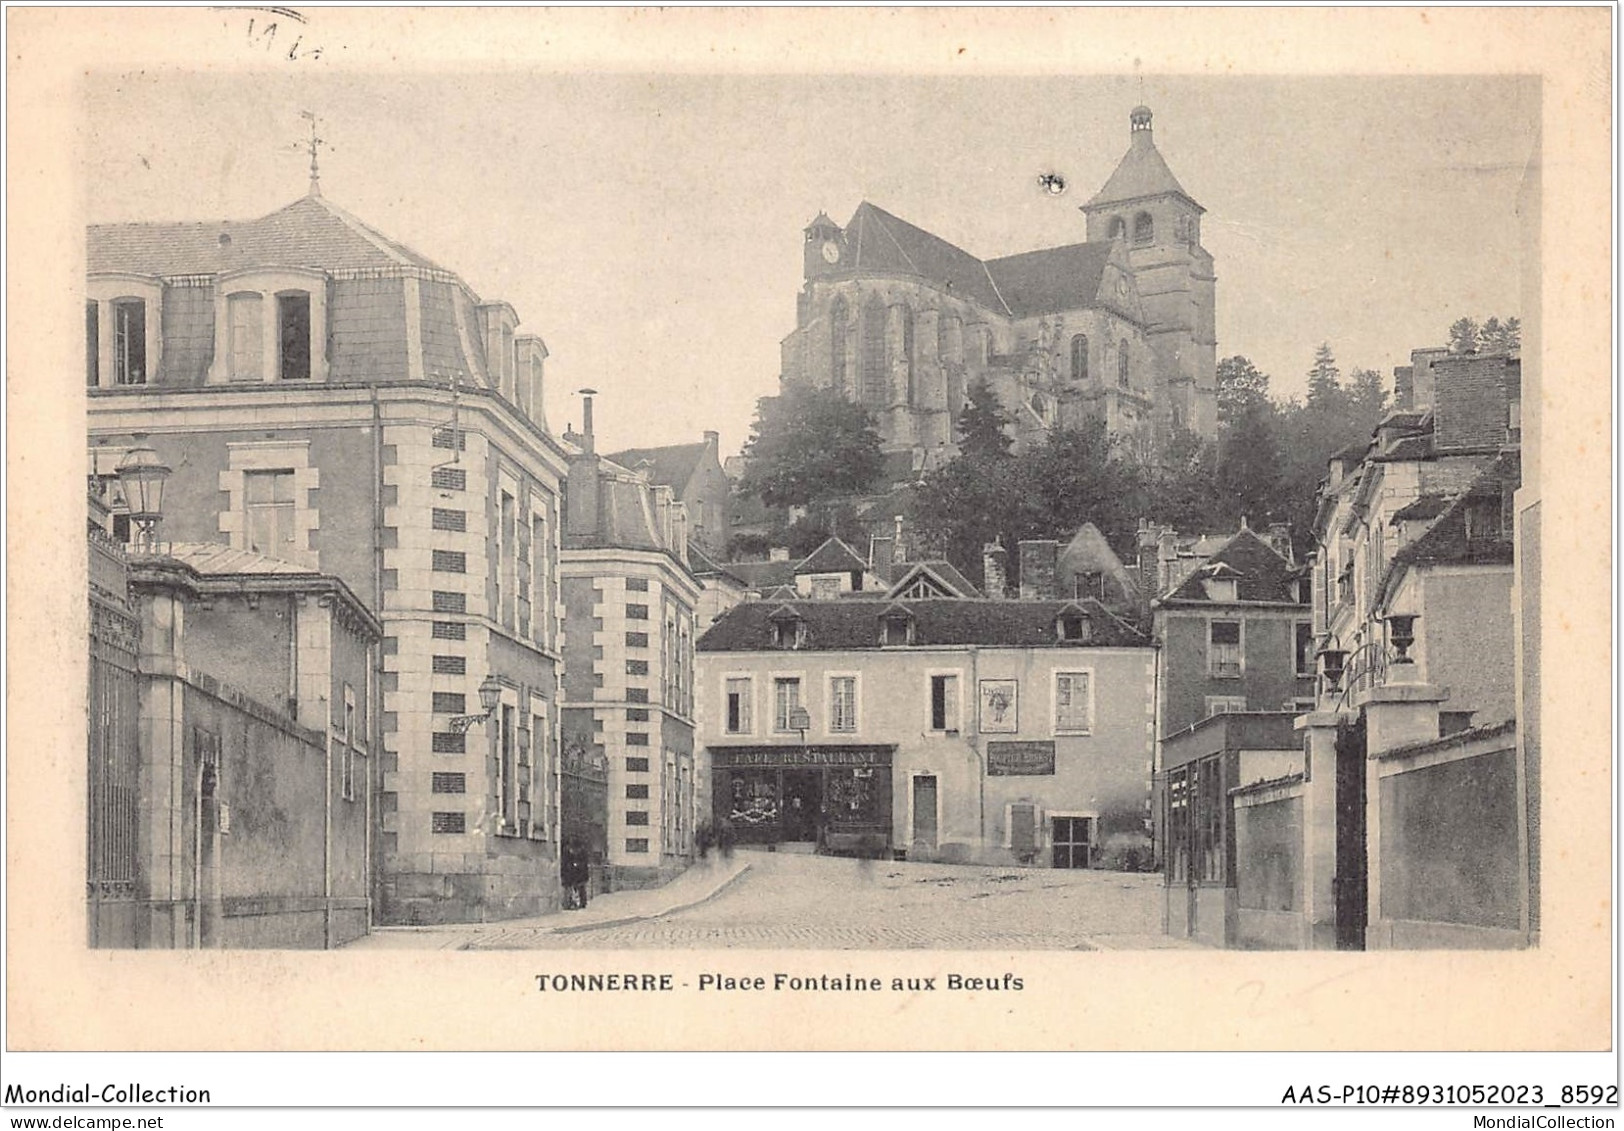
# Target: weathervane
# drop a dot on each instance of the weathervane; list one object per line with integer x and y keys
{"x": 313, "y": 145}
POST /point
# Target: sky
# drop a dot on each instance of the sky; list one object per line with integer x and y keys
{"x": 648, "y": 226}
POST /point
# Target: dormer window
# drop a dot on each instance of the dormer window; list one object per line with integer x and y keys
{"x": 788, "y": 629}
{"x": 129, "y": 342}
{"x": 896, "y": 628}
{"x": 271, "y": 325}
{"x": 293, "y": 331}
{"x": 1220, "y": 589}
{"x": 1074, "y": 627}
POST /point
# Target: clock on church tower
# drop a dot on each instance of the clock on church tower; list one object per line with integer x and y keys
{"x": 825, "y": 247}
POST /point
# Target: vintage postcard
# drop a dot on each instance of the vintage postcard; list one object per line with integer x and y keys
{"x": 877, "y": 529}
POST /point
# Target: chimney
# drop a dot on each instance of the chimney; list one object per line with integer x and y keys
{"x": 897, "y": 554}
{"x": 1167, "y": 553}
{"x": 586, "y": 418}
{"x": 1279, "y": 537}
{"x": 1038, "y": 561}
{"x": 778, "y": 554}
{"x": 581, "y": 494}
{"x": 713, "y": 440}
{"x": 995, "y": 570}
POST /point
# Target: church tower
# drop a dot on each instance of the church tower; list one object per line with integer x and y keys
{"x": 1143, "y": 205}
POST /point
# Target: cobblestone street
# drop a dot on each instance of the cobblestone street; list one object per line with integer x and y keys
{"x": 827, "y": 903}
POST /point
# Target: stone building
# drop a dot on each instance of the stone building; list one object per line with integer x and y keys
{"x": 330, "y": 398}
{"x": 630, "y": 596}
{"x": 1119, "y": 327}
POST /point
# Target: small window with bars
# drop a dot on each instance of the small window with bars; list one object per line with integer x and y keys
{"x": 450, "y": 630}
{"x": 450, "y": 665}
{"x": 637, "y": 640}
{"x": 451, "y": 438}
{"x": 637, "y": 612}
{"x": 637, "y": 667}
{"x": 445, "y": 602}
{"x": 449, "y": 479}
{"x": 450, "y": 822}
{"x": 637, "y": 817}
{"x": 449, "y": 783}
{"x": 637, "y": 793}
{"x": 637, "y": 844}
{"x": 637, "y": 765}
{"x": 636, "y": 738}
{"x": 450, "y": 561}
{"x": 637, "y": 584}
{"x": 637, "y": 714}
{"x": 450, "y": 742}
{"x": 443, "y": 519}
{"x": 450, "y": 703}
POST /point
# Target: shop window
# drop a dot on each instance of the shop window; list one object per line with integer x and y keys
{"x": 738, "y": 691}
{"x": 786, "y": 700}
{"x": 1179, "y": 833}
{"x": 944, "y": 702}
{"x": 129, "y": 341}
{"x": 843, "y": 703}
{"x": 1224, "y": 659}
{"x": 293, "y": 327}
{"x": 1210, "y": 806}
{"x": 1073, "y": 703}
{"x": 268, "y": 499}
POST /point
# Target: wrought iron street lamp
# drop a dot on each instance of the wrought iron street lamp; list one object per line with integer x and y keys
{"x": 490, "y": 694}
{"x": 141, "y": 475}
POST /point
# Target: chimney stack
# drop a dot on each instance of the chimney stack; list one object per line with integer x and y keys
{"x": 1167, "y": 554}
{"x": 994, "y": 570}
{"x": 1279, "y": 537}
{"x": 1039, "y": 557}
{"x": 713, "y": 440}
{"x": 586, "y": 418}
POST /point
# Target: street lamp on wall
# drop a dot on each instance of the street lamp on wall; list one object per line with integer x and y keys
{"x": 141, "y": 475}
{"x": 490, "y": 694}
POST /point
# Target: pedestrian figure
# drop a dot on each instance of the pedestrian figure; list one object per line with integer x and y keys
{"x": 724, "y": 839}
{"x": 575, "y": 873}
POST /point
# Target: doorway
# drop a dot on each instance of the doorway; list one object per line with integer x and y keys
{"x": 803, "y": 797}
{"x": 924, "y": 812}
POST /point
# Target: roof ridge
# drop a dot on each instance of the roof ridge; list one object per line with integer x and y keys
{"x": 399, "y": 252}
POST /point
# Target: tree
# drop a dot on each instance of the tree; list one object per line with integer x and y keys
{"x": 1463, "y": 336}
{"x": 809, "y": 445}
{"x": 1240, "y": 386}
{"x": 981, "y": 424}
{"x": 1324, "y": 380}
{"x": 1367, "y": 398}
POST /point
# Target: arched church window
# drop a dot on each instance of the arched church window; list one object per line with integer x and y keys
{"x": 1122, "y": 363}
{"x": 908, "y": 354}
{"x": 1079, "y": 357}
{"x": 1116, "y": 229}
{"x": 838, "y": 317}
{"x": 1144, "y": 229}
{"x": 871, "y": 359}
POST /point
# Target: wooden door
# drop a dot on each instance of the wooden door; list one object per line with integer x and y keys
{"x": 924, "y": 811}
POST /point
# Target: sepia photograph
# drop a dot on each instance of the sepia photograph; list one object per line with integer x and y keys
{"x": 673, "y": 533}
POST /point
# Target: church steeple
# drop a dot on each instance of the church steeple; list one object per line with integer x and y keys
{"x": 1141, "y": 173}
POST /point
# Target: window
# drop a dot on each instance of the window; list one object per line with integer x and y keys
{"x": 637, "y": 667}
{"x": 450, "y": 665}
{"x": 1224, "y": 649}
{"x": 449, "y": 783}
{"x": 450, "y": 822}
{"x": 245, "y": 324}
{"x": 637, "y": 792}
{"x": 786, "y": 700}
{"x": 450, "y": 742}
{"x": 875, "y": 381}
{"x": 1116, "y": 229}
{"x": 505, "y": 589}
{"x": 450, "y": 438}
{"x": 1073, "y": 703}
{"x": 92, "y": 344}
{"x": 1144, "y": 228}
{"x": 843, "y": 703}
{"x": 1122, "y": 363}
{"x": 450, "y": 703}
{"x": 908, "y": 354}
{"x": 449, "y": 520}
{"x": 637, "y": 765}
{"x": 450, "y": 561}
{"x": 637, "y": 695}
{"x": 637, "y": 816}
{"x": 1225, "y": 704}
{"x": 637, "y": 584}
{"x": 1210, "y": 798}
{"x": 1305, "y": 649}
{"x": 944, "y": 702}
{"x": 896, "y": 629}
{"x": 637, "y": 612}
{"x": 268, "y": 497}
{"x": 636, "y": 844}
{"x": 637, "y": 640}
{"x": 1079, "y": 357}
{"x": 637, "y": 714}
{"x": 507, "y": 802}
{"x": 445, "y": 602}
{"x": 293, "y": 327}
{"x": 129, "y": 342}
{"x": 789, "y": 632}
{"x": 449, "y": 479}
{"x": 1074, "y": 628}
{"x": 837, "y": 343}
{"x": 449, "y": 630}
{"x": 348, "y": 766}
{"x": 636, "y": 738}
{"x": 738, "y": 692}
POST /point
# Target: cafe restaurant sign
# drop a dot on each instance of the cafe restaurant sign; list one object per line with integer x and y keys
{"x": 723, "y": 757}
{"x": 1012, "y": 759}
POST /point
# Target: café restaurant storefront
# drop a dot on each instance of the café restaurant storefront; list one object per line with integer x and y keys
{"x": 836, "y": 797}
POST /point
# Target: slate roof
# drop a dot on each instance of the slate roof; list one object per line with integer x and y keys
{"x": 944, "y": 572}
{"x": 1427, "y": 506}
{"x": 763, "y": 575}
{"x": 1446, "y": 543}
{"x": 211, "y": 559}
{"x": 672, "y": 465}
{"x": 1260, "y": 573}
{"x": 1142, "y": 172}
{"x": 1051, "y": 280}
{"x": 702, "y": 564}
{"x": 310, "y": 232}
{"x": 834, "y": 556}
{"x": 624, "y": 519}
{"x": 838, "y": 626}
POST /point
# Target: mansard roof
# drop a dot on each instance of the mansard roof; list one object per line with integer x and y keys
{"x": 941, "y": 622}
{"x": 672, "y": 465}
{"x": 310, "y": 232}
